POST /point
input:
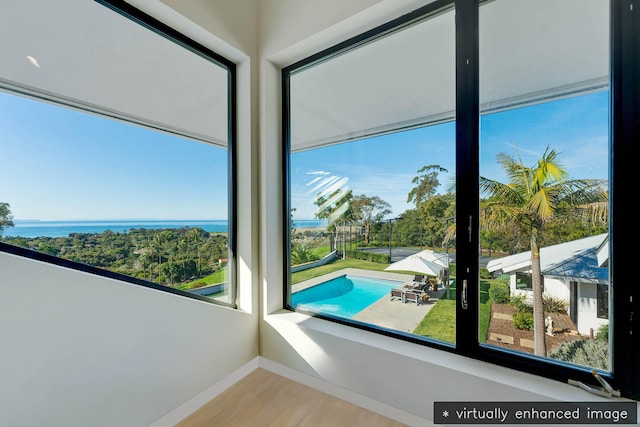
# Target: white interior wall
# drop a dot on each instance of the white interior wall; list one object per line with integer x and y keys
{"x": 80, "y": 350}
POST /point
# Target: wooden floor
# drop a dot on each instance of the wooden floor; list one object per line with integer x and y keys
{"x": 266, "y": 399}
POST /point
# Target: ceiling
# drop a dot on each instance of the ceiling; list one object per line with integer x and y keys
{"x": 84, "y": 55}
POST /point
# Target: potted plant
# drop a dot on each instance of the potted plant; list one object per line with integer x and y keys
{"x": 424, "y": 296}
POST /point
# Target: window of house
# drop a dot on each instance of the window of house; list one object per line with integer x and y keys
{"x": 523, "y": 281}
{"x": 418, "y": 155}
{"x": 119, "y": 133}
{"x": 602, "y": 301}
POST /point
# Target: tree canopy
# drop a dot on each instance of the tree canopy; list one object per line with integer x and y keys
{"x": 426, "y": 184}
{"x": 369, "y": 211}
{"x": 6, "y": 219}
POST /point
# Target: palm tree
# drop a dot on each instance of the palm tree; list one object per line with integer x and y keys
{"x": 534, "y": 196}
{"x": 6, "y": 219}
{"x": 194, "y": 236}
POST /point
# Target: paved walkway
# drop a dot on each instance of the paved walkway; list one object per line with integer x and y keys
{"x": 387, "y": 313}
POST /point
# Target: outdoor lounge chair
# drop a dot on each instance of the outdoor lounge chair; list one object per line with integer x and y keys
{"x": 413, "y": 296}
{"x": 397, "y": 293}
{"x": 419, "y": 280}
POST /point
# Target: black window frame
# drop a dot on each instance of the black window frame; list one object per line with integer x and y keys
{"x": 139, "y": 17}
{"x": 624, "y": 130}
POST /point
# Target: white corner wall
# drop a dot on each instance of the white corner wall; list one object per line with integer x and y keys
{"x": 81, "y": 350}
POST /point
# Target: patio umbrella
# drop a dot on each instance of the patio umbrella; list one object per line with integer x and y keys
{"x": 417, "y": 264}
{"x": 430, "y": 255}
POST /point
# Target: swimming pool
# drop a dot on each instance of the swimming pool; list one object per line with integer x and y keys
{"x": 343, "y": 296}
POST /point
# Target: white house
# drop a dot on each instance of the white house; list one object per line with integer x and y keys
{"x": 575, "y": 271}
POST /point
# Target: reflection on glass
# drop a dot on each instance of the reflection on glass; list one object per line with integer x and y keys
{"x": 543, "y": 184}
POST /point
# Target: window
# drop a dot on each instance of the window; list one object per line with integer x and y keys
{"x": 372, "y": 168}
{"x": 544, "y": 141}
{"x": 523, "y": 281}
{"x": 532, "y": 94}
{"x": 120, "y": 132}
{"x": 603, "y": 301}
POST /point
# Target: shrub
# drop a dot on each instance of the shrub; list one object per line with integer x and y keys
{"x": 603, "y": 332}
{"x": 592, "y": 353}
{"x": 523, "y": 320}
{"x": 301, "y": 254}
{"x": 195, "y": 285}
{"x": 369, "y": 256}
{"x": 499, "y": 292}
{"x": 554, "y": 305}
{"x": 521, "y": 305}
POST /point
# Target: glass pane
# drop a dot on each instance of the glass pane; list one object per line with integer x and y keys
{"x": 121, "y": 167}
{"x": 116, "y": 196}
{"x": 372, "y": 174}
{"x": 544, "y": 192}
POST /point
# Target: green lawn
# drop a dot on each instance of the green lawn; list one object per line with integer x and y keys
{"x": 219, "y": 276}
{"x": 440, "y": 321}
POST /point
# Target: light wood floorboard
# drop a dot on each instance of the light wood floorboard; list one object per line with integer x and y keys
{"x": 265, "y": 399}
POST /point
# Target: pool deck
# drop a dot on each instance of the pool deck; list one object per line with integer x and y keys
{"x": 387, "y": 313}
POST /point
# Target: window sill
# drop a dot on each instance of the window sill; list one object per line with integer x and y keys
{"x": 473, "y": 373}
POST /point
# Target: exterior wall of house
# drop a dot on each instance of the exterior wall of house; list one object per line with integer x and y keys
{"x": 553, "y": 287}
{"x": 588, "y": 321}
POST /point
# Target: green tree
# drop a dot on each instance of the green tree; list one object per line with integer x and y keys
{"x": 169, "y": 272}
{"x": 145, "y": 263}
{"x": 369, "y": 211}
{"x": 426, "y": 184}
{"x": 433, "y": 213}
{"x": 194, "y": 236}
{"x": 6, "y": 219}
{"x": 156, "y": 245}
{"x": 534, "y": 196}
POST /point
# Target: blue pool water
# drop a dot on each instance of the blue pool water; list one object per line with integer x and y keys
{"x": 344, "y": 296}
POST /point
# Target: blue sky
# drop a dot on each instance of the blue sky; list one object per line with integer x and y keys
{"x": 577, "y": 128}
{"x": 58, "y": 164}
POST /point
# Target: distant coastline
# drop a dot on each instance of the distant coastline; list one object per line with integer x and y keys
{"x": 37, "y": 228}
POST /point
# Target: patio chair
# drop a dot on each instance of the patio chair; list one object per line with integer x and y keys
{"x": 413, "y": 296}
{"x": 397, "y": 293}
{"x": 419, "y": 280}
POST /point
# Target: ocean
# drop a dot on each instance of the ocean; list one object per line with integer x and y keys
{"x": 29, "y": 229}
